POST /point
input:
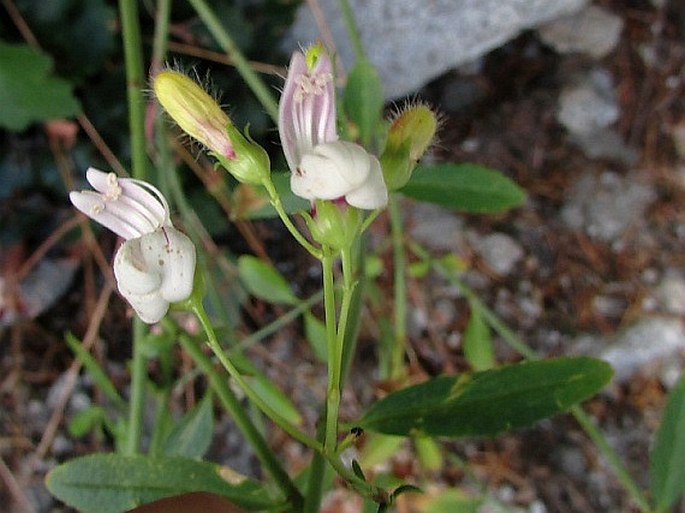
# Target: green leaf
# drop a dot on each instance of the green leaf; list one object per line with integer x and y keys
{"x": 429, "y": 453}
{"x": 97, "y": 373}
{"x": 192, "y": 435}
{"x": 453, "y": 501}
{"x": 264, "y": 281}
{"x": 466, "y": 187}
{"x": 274, "y": 396}
{"x": 28, "y": 93}
{"x": 315, "y": 331}
{"x": 86, "y": 421}
{"x": 667, "y": 460}
{"x": 113, "y": 483}
{"x": 363, "y": 99}
{"x": 478, "y": 343}
{"x": 488, "y": 402}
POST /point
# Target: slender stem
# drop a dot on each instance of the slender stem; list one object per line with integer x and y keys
{"x": 160, "y": 41}
{"x": 134, "y": 431}
{"x": 317, "y": 471}
{"x": 333, "y": 391}
{"x": 218, "y": 351}
{"x": 348, "y": 290}
{"x": 130, "y": 28}
{"x": 352, "y": 28}
{"x": 276, "y": 202}
{"x": 254, "y": 82}
{"x": 489, "y": 316}
{"x": 280, "y": 322}
{"x": 397, "y": 369}
{"x": 582, "y": 418}
{"x": 242, "y": 420}
{"x": 609, "y": 453}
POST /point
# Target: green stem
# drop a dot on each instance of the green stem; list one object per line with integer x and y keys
{"x": 611, "y": 457}
{"x": 254, "y": 82}
{"x": 349, "y": 286}
{"x": 488, "y": 315}
{"x": 133, "y": 56}
{"x": 159, "y": 43}
{"x": 398, "y": 349}
{"x": 317, "y": 471}
{"x": 130, "y": 29}
{"x": 280, "y": 322}
{"x": 352, "y": 29}
{"x": 242, "y": 420}
{"x": 582, "y": 418}
{"x": 334, "y": 360}
{"x": 218, "y": 351}
{"x": 134, "y": 430}
{"x": 276, "y": 202}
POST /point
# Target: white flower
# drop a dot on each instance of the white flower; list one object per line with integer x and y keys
{"x": 340, "y": 169}
{"x": 323, "y": 167}
{"x": 155, "y": 266}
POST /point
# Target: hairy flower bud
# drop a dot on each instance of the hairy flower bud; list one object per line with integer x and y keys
{"x": 411, "y": 133}
{"x": 195, "y": 111}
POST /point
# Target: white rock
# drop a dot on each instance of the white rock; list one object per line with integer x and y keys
{"x": 671, "y": 292}
{"x": 588, "y": 106}
{"x": 500, "y": 252}
{"x": 594, "y": 31}
{"x": 606, "y": 205}
{"x": 413, "y": 42}
{"x": 650, "y": 340}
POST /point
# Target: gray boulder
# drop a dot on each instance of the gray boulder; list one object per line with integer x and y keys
{"x": 412, "y": 42}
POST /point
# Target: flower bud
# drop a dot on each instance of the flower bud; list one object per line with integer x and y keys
{"x": 411, "y": 133}
{"x": 195, "y": 111}
{"x": 250, "y": 162}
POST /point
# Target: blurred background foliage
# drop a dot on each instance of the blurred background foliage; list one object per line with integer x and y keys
{"x": 67, "y": 62}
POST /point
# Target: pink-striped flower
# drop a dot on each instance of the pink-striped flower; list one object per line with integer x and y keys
{"x": 155, "y": 265}
{"x": 322, "y": 166}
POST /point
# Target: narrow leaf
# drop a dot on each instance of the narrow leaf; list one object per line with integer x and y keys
{"x": 478, "y": 343}
{"x": 488, "y": 402}
{"x": 363, "y": 99}
{"x": 192, "y": 435}
{"x": 466, "y": 187}
{"x": 264, "y": 281}
{"x": 112, "y": 483}
{"x": 97, "y": 373}
{"x": 315, "y": 331}
{"x": 667, "y": 461}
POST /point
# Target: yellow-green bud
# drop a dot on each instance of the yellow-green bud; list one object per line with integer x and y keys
{"x": 250, "y": 162}
{"x": 195, "y": 111}
{"x": 411, "y": 133}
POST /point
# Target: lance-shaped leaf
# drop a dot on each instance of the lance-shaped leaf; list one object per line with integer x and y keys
{"x": 465, "y": 187}
{"x": 488, "y": 402}
{"x": 667, "y": 465}
{"x": 112, "y": 483}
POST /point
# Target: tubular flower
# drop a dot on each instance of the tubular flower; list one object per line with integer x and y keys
{"x": 155, "y": 265}
{"x": 322, "y": 166}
